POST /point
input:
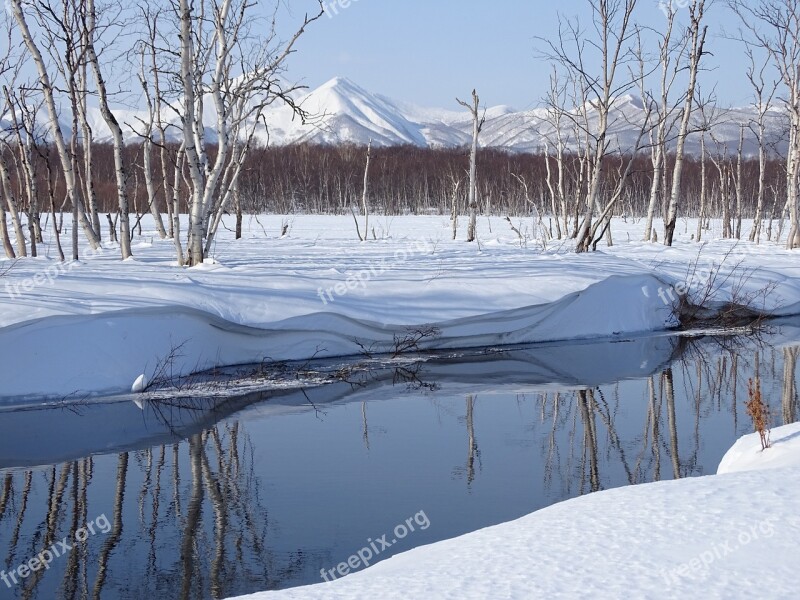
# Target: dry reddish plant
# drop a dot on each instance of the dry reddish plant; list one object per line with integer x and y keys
{"x": 759, "y": 412}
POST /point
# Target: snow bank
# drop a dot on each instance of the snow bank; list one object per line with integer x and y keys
{"x": 94, "y": 327}
{"x": 732, "y": 536}
{"x": 120, "y": 349}
{"x": 747, "y": 455}
{"x": 724, "y": 536}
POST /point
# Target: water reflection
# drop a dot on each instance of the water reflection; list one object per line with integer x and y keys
{"x": 216, "y": 497}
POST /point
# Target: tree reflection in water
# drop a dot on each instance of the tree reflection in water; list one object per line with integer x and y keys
{"x": 202, "y": 497}
{"x": 190, "y": 515}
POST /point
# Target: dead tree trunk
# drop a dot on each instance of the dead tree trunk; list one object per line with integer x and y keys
{"x": 477, "y": 126}
{"x": 365, "y": 195}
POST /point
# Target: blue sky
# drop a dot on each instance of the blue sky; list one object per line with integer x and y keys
{"x": 429, "y": 51}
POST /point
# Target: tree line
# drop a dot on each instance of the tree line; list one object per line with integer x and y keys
{"x": 191, "y": 59}
{"x": 319, "y": 179}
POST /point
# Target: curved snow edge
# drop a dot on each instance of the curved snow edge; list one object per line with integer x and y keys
{"x": 97, "y": 354}
{"x": 654, "y": 540}
{"x": 746, "y": 454}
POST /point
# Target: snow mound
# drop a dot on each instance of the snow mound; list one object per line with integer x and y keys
{"x": 104, "y": 353}
{"x": 710, "y": 537}
{"x": 747, "y": 455}
{"x": 140, "y": 385}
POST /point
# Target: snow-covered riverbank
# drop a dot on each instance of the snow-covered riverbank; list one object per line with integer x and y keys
{"x": 723, "y": 536}
{"x": 96, "y": 326}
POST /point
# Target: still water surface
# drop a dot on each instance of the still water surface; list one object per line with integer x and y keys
{"x": 209, "y": 498}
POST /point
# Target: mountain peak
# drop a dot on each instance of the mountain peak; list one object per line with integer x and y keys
{"x": 340, "y": 83}
{"x": 345, "y": 113}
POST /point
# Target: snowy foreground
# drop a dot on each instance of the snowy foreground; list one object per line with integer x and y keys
{"x": 96, "y": 326}
{"x": 101, "y": 326}
{"x": 731, "y": 535}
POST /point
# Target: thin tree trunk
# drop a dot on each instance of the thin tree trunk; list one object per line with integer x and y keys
{"x": 365, "y": 195}
{"x": 147, "y": 150}
{"x": 654, "y": 188}
{"x": 739, "y": 184}
{"x": 11, "y": 203}
{"x": 7, "y": 247}
{"x": 176, "y": 205}
{"x": 55, "y": 129}
{"x": 477, "y": 126}
{"x": 698, "y": 37}
{"x": 703, "y": 177}
{"x": 237, "y": 201}
{"x": 52, "y": 197}
{"x": 116, "y": 134}
{"x": 190, "y": 135}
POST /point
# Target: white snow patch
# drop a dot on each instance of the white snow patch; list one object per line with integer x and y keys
{"x": 140, "y": 385}
{"x": 747, "y": 455}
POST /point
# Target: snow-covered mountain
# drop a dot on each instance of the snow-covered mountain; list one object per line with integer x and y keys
{"x": 343, "y": 112}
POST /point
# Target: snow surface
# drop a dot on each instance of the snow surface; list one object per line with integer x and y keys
{"x": 97, "y": 325}
{"x": 722, "y": 536}
{"x": 747, "y": 455}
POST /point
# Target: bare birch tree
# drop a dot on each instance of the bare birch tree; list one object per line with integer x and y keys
{"x": 91, "y": 28}
{"x": 477, "y": 127}
{"x": 764, "y": 94}
{"x": 697, "y": 39}
{"x": 225, "y": 60}
{"x": 10, "y": 66}
{"x": 773, "y": 26}
{"x": 670, "y": 44}
{"x": 24, "y": 110}
{"x": 557, "y": 120}
{"x": 599, "y": 89}
{"x": 65, "y": 154}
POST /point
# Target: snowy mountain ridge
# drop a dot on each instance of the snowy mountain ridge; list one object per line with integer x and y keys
{"x": 342, "y": 112}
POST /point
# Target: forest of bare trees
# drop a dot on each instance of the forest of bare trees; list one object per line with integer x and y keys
{"x": 410, "y": 180}
{"x": 219, "y": 57}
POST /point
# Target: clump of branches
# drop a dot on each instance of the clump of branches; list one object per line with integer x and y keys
{"x": 412, "y": 377}
{"x": 412, "y": 337}
{"x": 758, "y": 412}
{"x": 164, "y": 375}
{"x": 406, "y": 342}
{"x": 704, "y": 308}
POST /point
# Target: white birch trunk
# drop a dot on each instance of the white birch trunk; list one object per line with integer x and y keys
{"x": 116, "y": 134}
{"x": 698, "y": 37}
{"x": 477, "y": 126}
{"x": 55, "y": 130}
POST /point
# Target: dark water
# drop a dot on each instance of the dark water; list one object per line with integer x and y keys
{"x": 204, "y": 498}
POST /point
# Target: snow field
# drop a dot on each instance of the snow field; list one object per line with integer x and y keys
{"x": 99, "y": 324}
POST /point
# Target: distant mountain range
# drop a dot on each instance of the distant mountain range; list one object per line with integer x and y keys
{"x": 345, "y": 113}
